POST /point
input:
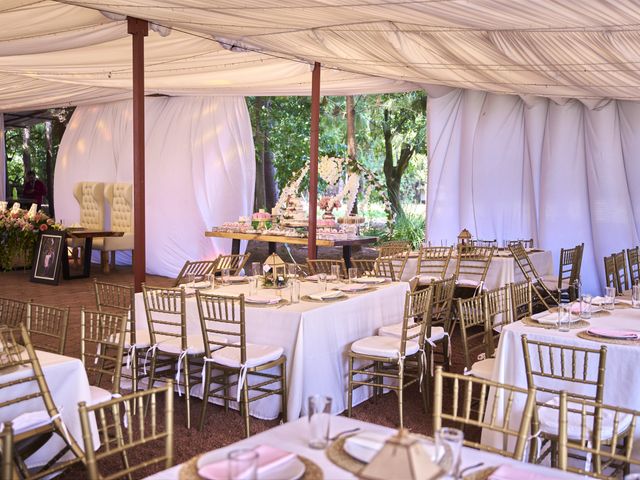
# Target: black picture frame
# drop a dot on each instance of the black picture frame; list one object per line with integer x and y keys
{"x": 47, "y": 257}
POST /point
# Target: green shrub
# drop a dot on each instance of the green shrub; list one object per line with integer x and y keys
{"x": 409, "y": 227}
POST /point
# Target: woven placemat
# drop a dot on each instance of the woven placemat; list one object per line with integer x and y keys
{"x": 189, "y": 470}
{"x": 480, "y": 474}
{"x": 615, "y": 341}
{"x": 572, "y": 326}
{"x": 336, "y": 455}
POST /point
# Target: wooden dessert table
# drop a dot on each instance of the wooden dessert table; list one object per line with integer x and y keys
{"x": 88, "y": 236}
{"x": 275, "y": 239}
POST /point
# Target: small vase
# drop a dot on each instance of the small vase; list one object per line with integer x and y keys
{"x": 328, "y": 214}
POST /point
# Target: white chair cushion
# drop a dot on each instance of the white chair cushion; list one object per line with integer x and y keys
{"x": 468, "y": 282}
{"x": 437, "y": 334}
{"x": 30, "y": 420}
{"x": 142, "y": 339}
{"x": 174, "y": 344}
{"x": 549, "y": 420}
{"x": 109, "y": 244}
{"x": 98, "y": 395}
{"x": 427, "y": 279}
{"x": 483, "y": 369}
{"x": 395, "y": 330}
{"x": 379, "y": 346}
{"x": 256, "y": 355}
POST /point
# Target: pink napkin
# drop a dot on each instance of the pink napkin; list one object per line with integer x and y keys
{"x": 606, "y": 332}
{"x": 268, "y": 459}
{"x": 507, "y": 472}
{"x": 575, "y": 308}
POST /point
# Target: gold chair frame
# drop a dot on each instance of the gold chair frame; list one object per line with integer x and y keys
{"x": 13, "y": 312}
{"x": 569, "y": 270}
{"x": 475, "y": 330}
{"x": 324, "y": 265}
{"x": 392, "y": 266}
{"x": 393, "y": 247}
{"x": 633, "y": 258}
{"x": 499, "y": 313}
{"x": 611, "y": 279}
{"x": 199, "y": 268}
{"x": 6, "y": 454}
{"x": 47, "y": 327}
{"x": 434, "y": 261}
{"x": 622, "y": 277}
{"x": 539, "y": 288}
{"x": 521, "y": 300}
{"x": 473, "y": 263}
{"x": 526, "y": 243}
{"x": 484, "y": 243}
{"x": 234, "y": 263}
{"x": 367, "y": 267}
{"x": 441, "y": 307}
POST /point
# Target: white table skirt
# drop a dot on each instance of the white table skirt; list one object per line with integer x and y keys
{"x": 502, "y": 270}
{"x": 68, "y": 383}
{"x": 293, "y": 437}
{"x": 315, "y": 336}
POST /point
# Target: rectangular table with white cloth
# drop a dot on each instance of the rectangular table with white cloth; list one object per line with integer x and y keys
{"x": 315, "y": 337}
{"x": 293, "y": 437}
{"x": 502, "y": 269}
{"x": 68, "y": 384}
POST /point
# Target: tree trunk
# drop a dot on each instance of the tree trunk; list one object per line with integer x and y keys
{"x": 49, "y": 167}
{"x": 351, "y": 135}
{"x": 393, "y": 172}
{"x": 270, "y": 185}
{"x": 26, "y": 155}
{"x": 259, "y": 141}
{"x": 58, "y": 126}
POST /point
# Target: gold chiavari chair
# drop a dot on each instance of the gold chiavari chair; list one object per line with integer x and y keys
{"x": 610, "y": 272}
{"x": 119, "y": 299}
{"x": 521, "y": 299}
{"x": 234, "y": 263}
{"x": 222, "y": 321}
{"x": 484, "y": 243}
{"x": 47, "y": 327}
{"x": 317, "y": 266}
{"x": 199, "y": 269}
{"x": 472, "y": 266}
{"x": 6, "y": 454}
{"x": 401, "y": 359}
{"x": 12, "y": 312}
{"x": 601, "y": 432}
{"x": 622, "y": 277}
{"x": 539, "y": 288}
{"x": 173, "y": 350}
{"x": 569, "y": 271}
{"x": 526, "y": 243}
{"x": 493, "y": 412}
{"x": 129, "y": 440}
{"x": 102, "y": 337}
{"x": 393, "y": 247}
{"x": 392, "y": 266}
{"x": 633, "y": 257}
{"x": 499, "y": 313}
{"x": 433, "y": 263}
{"x": 366, "y": 267}
{"x": 31, "y": 428}
{"x": 476, "y": 329}
{"x": 551, "y": 368}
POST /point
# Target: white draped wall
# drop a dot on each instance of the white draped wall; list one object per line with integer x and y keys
{"x": 200, "y": 169}
{"x": 509, "y": 167}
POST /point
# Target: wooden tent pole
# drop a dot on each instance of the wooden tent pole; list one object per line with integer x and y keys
{"x": 313, "y": 158}
{"x": 138, "y": 29}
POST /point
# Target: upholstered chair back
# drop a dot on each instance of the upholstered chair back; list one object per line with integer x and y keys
{"x": 119, "y": 196}
{"x": 90, "y": 197}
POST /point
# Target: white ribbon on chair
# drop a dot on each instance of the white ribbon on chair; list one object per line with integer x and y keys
{"x": 152, "y": 351}
{"x": 242, "y": 378}
{"x": 183, "y": 354}
{"x": 130, "y": 351}
{"x": 423, "y": 365}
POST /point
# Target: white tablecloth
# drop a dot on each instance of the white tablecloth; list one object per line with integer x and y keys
{"x": 293, "y": 437}
{"x": 315, "y": 336}
{"x": 68, "y": 383}
{"x": 502, "y": 270}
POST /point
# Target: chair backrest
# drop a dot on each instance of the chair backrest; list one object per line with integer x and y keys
{"x": 460, "y": 410}
{"x": 200, "y": 269}
{"x": 484, "y": 243}
{"x": 526, "y": 243}
{"x": 119, "y": 299}
{"x": 394, "y": 246}
{"x": 474, "y": 328}
{"x": 417, "y": 311}
{"x": 521, "y": 300}
{"x": 622, "y": 277}
{"x": 570, "y": 265}
{"x": 90, "y": 197}
{"x": 441, "y": 304}
{"x": 499, "y": 313}
{"x": 150, "y": 429}
{"x": 324, "y": 266}
{"x": 392, "y": 266}
{"x": 234, "y": 263}
{"x": 606, "y": 435}
{"x": 12, "y": 312}
{"x": 166, "y": 314}
{"x": 222, "y": 316}
{"x": 102, "y": 337}
{"x": 611, "y": 278}
{"x": 119, "y": 196}
{"x": 539, "y": 289}
{"x": 367, "y": 267}
{"x": 433, "y": 261}
{"x": 47, "y": 327}
{"x": 633, "y": 258}
{"x": 6, "y": 453}
{"x": 473, "y": 262}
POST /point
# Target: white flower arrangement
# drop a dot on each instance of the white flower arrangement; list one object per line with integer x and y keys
{"x": 330, "y": 169}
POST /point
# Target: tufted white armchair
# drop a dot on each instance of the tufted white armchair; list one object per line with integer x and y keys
{"x": 120, "y": 199}
{"x": 90, "y": 197}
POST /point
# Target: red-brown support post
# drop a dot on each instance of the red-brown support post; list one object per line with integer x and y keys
{"x": 138, "y": 29}
{"x": 313, "y": 159}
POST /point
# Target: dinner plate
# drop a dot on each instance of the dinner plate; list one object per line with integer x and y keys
{"x": 315, "y": 278}
{"x": 365, "y": 454}
{"x": 354, "y": 288}
{"x": 370, "y": 280}
{"x": 291, "y": 470}
{"x": 263, "y": 300}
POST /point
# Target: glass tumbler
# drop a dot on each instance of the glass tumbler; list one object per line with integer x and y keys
{"x": 564, "y": 317}
{"x": 353, "y": 274}
{"x": 243, "y": 464}
{"x": 336, "y": 273}
{"x": 191, "y": 279}
{"x": 609, "y": 298}
{"x": 319, "y": 420}
{"x": 256, "y": 269}
{"x": 635, "y": 296}
{"x": 322, "y": 280}
{"x": 449, "y": 441}
{"x": 225, "y": 274}
{"x": 585, "y": 306}
{"x": 295, "y": 290}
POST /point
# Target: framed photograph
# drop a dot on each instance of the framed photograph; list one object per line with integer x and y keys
{"x": 47, "y": 258}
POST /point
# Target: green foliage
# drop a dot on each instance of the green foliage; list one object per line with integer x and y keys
{"x": 409, "y": 227}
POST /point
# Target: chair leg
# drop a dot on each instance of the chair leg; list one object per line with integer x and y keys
{"x": 206, "y": 386}
{"x": 226, "y": 392}
{"x": 350, "y": 393}
{"x": 424, "y": 386}
{"x": 283, "y": 384}
{"x": 400, "y": 398}
{"x": 104, "y": 261}
{"x": 245, "y": 407}
{"x": 113, "y": 259}
{"x": 187, "y": 388}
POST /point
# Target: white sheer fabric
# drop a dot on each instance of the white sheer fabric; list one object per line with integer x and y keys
{"x": 508, "y": 167}
{"x": 200, "y": 169}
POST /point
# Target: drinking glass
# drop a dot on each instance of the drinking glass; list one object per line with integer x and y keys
{"x": 256, "y": 269}
{"x": 336, "y": 273}
{"x": 609, "y": 298}
{"x": 253, "y": 285}
{"x": 632, "y": 476}
{"x": 243, "y": 464}
{"x": 294, "y": 290}
{"x": 450, "y": 441}
{"x": 319, "y": 420}
{"x": 292, "y": 270}
{"x": 226, "y": 273}
{"x": 322, "y": 280}
{"x": 635, "y": 296}
{"x": 211, "y": 278}
{"x": 191, "y": 279}
{"x": 353, "y": 274}
{"x": 564, "y": 317}
{"x": 585, "y": 306}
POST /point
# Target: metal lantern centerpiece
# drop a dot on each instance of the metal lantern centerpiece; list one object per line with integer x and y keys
{"x": 274, "y": 270}
{"x": 401, "y": 457}
{"x": 464, "y": 237}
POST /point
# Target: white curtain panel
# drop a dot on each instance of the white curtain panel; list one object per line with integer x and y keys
{"x": 200, "y": 170}
{"x": 510, "y": 167}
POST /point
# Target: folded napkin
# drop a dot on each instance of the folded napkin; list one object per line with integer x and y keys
{"x": 611, "y": 333}
{"x": 261, "y": 299}
{"x": 546, "y": 318}
{"x": 368, "y": 444}
{"x": 575, "y": 307}
{"x": 353, "y": 287}
{"x": 269, "y": 458}
{"x": 508, "y": 472}
{"x": 371, "y": 280}
{"x": 327, "y": 295}
{"x": 203, "y": 284}
{"x": 597, "y": 300}
{"x": 315, "y": 278}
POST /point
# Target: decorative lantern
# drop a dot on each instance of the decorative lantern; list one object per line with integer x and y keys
{"x": 464, "y": 237}
{"x": 401, "y": 457}
{"x": 274, "y": 271}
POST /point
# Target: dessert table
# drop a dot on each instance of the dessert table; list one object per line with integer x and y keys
{"x": 315, "y": 336}
{"x": 502, "y": 269}
{"x": 293, "y": 437}
{"x": 273, "y": 240}
{"x": 68, "y": 383}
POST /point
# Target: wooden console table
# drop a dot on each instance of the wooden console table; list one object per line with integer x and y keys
{"x": 88, "y": 236}
{"x": 273, "y": 240}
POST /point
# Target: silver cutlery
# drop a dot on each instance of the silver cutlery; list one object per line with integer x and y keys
{"x": 338, "y": 435}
